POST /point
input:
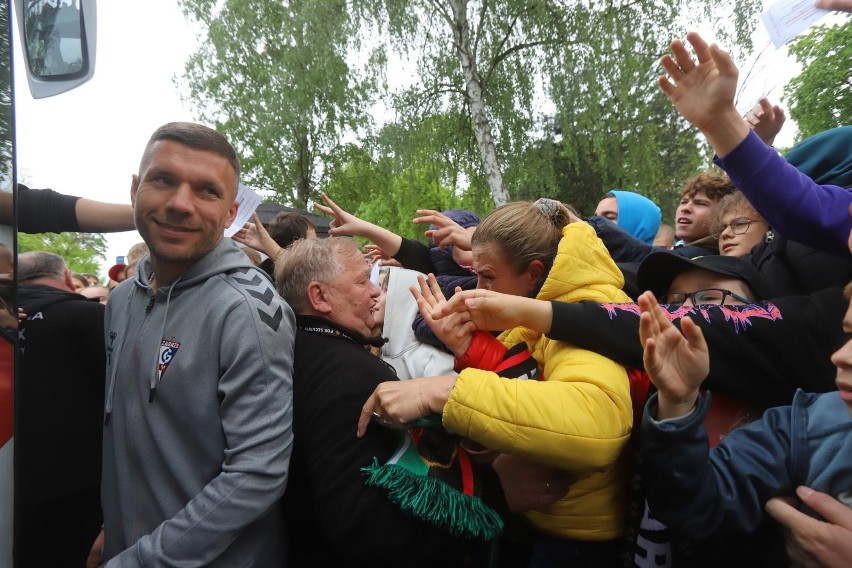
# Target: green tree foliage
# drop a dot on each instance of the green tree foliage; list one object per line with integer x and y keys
{"x": 83, "y": 252}
{"x": 820, "y": 98}
{"x": 275, "y": 78}
{"x": 596, "y": 62}
{"x": 494, "y": 100}
{"x": 578, "y": 165}
{"x": 439, "y": 147}
{"x": 389, "y": 191}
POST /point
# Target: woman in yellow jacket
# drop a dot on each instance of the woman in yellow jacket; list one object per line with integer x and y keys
{"x": 575, "y": 418}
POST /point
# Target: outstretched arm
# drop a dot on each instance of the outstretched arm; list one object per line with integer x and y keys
{"x": 346, "y": 224}
{"x": 396, "y": 404}
{"x": 677, "y": 363}
{"x": 66, "y": 213}
{"x": 101, "y": 217}
{"x": 493, "y": 311}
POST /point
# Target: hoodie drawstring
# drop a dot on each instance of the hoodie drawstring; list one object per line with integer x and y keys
{"x": 114, "y": 360}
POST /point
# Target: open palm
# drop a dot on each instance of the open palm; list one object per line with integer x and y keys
{"x": 676, "y": 362}
{"x": 699, "y": 88}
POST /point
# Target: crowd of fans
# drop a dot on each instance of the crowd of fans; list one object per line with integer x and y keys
{"x": 535, "y": 388}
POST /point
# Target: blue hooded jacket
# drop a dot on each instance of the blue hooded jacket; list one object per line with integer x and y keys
{"x": 637, "y": 215}
{"x": 825, "y": 157}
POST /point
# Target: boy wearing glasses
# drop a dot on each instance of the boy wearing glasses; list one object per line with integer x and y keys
{"x": 693, "y": 227}
{"x": 739, "y": 227}
{"x": 716, "y": 280}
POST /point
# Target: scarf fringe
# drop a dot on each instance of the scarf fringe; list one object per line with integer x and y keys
{"x": 435, "y": 502}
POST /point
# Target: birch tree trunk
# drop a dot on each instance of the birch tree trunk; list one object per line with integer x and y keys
{"x": 478, "y": 116}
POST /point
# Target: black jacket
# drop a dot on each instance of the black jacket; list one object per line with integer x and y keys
{"x": 58, "y": 417}
{"x": 352, "y": 524}
{"x": 791, "y": 268}
{"x": 759, "y": 354}
{"x": 788, "y": 267}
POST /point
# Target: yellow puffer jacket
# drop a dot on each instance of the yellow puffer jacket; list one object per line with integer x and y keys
{"x": 577, "y": 418}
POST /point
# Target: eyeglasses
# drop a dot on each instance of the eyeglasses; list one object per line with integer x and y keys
{"x": 706, "y": 296}
{"x": 738, "y": 226}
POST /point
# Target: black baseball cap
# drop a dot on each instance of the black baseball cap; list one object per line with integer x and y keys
{"x": 660, "y": 268}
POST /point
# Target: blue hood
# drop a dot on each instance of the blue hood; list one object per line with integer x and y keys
{"x": 826, "y": 157}
{"x": 637, "y": 215}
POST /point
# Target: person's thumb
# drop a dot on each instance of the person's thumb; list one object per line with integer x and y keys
{"x": 830, "y": 508}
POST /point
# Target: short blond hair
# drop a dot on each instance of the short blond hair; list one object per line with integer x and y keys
{"x": 735, "y": 201}
{"x": 136, "y": 253}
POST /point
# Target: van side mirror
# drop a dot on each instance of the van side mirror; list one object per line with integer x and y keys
{"x": 58, "y": 42}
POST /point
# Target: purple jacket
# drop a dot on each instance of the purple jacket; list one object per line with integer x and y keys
{"x": 793, "y": 204}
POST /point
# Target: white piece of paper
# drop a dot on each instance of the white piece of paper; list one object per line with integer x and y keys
{"x": 786, "y": 19}
{"x": 248, "y": 200}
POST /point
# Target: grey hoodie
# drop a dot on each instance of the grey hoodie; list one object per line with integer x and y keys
{"x": 197, "y": 432}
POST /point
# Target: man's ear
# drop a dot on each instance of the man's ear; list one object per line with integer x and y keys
{"x": 69, "y": 281}
{"x": 318, "y": 299}
{"x": 232, "y": 213}
{"x": 134, "y": 186}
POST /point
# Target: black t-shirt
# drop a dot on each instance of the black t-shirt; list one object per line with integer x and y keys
{"x": 46, "y": 211}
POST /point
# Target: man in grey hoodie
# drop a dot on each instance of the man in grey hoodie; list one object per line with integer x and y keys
{"x": 197, "y": 425}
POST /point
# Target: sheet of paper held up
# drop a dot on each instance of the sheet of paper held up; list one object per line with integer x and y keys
{"x": 786, "y": 19}
{"x": 248, "y": 201}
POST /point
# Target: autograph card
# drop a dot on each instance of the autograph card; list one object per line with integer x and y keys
{"x": 248, "y": 201}
{"x": 786, "y": 19}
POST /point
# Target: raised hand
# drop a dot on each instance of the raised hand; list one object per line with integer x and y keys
{"x": 766, "y": 120}
{"x": 346, "y": 224}
{"x": 343, "y": 224}
{"x": 455, "y": 331}
{"x": 676, "y": 362}
{"x": 375, "y": 252}
{"x": 255, "y": 235}
{"x": 703, "y": 90}
{"x": 448, "y": 232}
